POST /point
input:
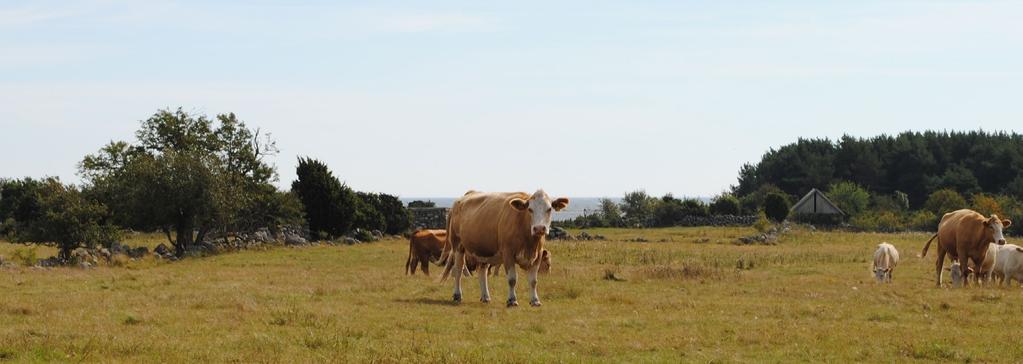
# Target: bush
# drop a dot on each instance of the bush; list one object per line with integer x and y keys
{"x": 986, "y": 205}
{"x": 762, "y": 224}
{"x": 421, "y": 204}
{"x": 694, "y": 207}
{"x": 329, "y": 205}
{"x": 944, "y": 201}
{"x": 884, "y": 221}
{"x": 776, "y": 206}
{"x": 923, "y": 220}
{"x": 67, "y": 219}
{"x": 610, "y": 213}
{"x": 849, "y": 197}
{"x": 725, "y": 204}
{"x": 638, "y": 208}
{"x": 26, "y": 257}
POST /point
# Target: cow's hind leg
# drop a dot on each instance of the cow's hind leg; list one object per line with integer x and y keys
{"x": 939, "y": 263}
{"x": 425, "y": 265}
{"x": 484, "y": 285}
{"x": 534, "y": 299}
{"x": 459, "y": 265}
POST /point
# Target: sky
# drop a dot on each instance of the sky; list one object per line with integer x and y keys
{"x": 581, "y": 98}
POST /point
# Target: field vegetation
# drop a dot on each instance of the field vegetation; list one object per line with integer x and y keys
{"x": 689, "y": 294}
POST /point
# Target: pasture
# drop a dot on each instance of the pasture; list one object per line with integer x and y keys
{"x": 697, "y": 297}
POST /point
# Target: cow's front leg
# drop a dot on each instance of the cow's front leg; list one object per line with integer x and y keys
{"x": 484, "y": 286}
{"x": 459, "y": 264}
{"x": 510, "y": 271}
{"x": 534, "y": 299}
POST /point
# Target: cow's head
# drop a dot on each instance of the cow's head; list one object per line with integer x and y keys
{"x": 996, "y": 227}
{"x": 881, "y": 273}
{"x": 540, "y": 207}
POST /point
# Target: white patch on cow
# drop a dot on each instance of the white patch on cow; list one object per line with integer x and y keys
{"x": 534, "y": 299}
{"x": 998, "y": 236}
{"x": 957, "y": 274}
{"x": 541, "y": 210}
{"x": 484, "y": 285}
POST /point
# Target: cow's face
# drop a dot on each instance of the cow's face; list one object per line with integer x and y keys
{"x": 996, "y": 226}
{"x": 880, "y": 274}
{"x": 540, "y": 208}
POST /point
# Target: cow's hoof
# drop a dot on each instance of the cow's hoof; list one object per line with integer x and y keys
{"x": 485, "y": 299}
{"x": 535, "y": 303}
{"x": 457, "y": 298}
{"x": 513, "y": 303}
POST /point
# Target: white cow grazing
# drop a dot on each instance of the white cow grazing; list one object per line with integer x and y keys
{"x": 987, "y": 267}
{"x": 1009, "y": 264}
{"x": 957, "y": 274}
{"x": 886, "y": 257}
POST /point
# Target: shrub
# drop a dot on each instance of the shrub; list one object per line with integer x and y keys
{"x": 762, "y": 224}
{"x": 923, "y": 220}
{"x": 694, "y": 207}
{"x": 638, "y": 208}
{"x": 725, "y": 204}
{"x": 884, "y": 221}
{"x": 776, "y": 206}
{"x": 986, "y": 205}
{"x": 26, "y": 256}
{"x": 67, "y": 219}
{"x": 421, "y": 204}
{"x": 849, "y": 197}
{"x": 329, "y": 205}
{"x": 943, "y": 201}
{"x": 610, "y": 213}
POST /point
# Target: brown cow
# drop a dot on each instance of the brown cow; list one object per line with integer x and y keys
{"x": 964, "y": 235}
{"x": 505, "y": 227}
{"x": 425, "y": 246}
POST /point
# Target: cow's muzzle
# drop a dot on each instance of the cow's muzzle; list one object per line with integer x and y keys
{"x": 1001, "y": 242}
{"x": 539, "y": 230}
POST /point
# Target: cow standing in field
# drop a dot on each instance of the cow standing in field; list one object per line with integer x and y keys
{"x": 424, "y": 246}
{"x": 964, "y": 235}
{"x": 505, "y": 227}
{"x": 886, "y": 257}
{"x": 1009, "y": 264}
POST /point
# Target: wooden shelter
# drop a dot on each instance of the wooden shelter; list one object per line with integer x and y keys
{"x": 815, "y": 203}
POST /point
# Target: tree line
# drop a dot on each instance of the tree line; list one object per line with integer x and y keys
{"x": 188, "y": 176}
{"x": 894, "y": 183}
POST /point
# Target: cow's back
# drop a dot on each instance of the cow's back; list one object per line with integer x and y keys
{"x": 479, "y": 219}
{"x": 960, "y": 224}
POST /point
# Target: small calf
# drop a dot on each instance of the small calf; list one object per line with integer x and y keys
{"x": 1009, "y": 264}
{"x": 886, "y": 257}
{"x": 956, "y": 273}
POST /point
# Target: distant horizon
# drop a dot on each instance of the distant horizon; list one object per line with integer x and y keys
{"x": 577, "y": 97}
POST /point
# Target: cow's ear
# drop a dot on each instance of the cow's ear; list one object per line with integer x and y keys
{"x": 1006, "y": 223}
{"x": 519, "y": 204}
{"x": 559, "y": 203}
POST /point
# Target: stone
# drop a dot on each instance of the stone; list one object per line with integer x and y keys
{"x": 351, "y": 241}
{"x": 137, "y": 252}
{"x": 48, "y": 262}
{"x": 377, "y": 234}
{"x": 294, "y": 239}
{"x": 103, "y": 252}
{"x": 162, "y": 250}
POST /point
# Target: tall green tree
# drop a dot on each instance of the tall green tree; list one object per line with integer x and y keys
{"x": 330, "y": 206}
{"x": 185, "y": 175}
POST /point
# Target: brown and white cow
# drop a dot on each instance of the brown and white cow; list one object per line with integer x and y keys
{"x": 964, "y": 235}
{"x": 505, "y": 227}
{"x": 424, "y": 246}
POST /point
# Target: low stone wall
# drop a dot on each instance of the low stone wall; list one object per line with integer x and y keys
{"x": 429, "y": 217}
{"x": 723, "y": 220}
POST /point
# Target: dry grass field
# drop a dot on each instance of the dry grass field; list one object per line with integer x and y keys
{"x": 696, "y": 298}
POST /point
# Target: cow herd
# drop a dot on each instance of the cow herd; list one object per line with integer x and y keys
{"x": 974, "y": 243}
{"x": 490, "y": 230}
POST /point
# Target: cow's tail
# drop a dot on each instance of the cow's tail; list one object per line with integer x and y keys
{"x": 408, "y": 262}
{"x": 927, "y": 246}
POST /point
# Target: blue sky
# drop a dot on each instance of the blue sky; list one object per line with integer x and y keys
{"x": 583, "y": 98}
